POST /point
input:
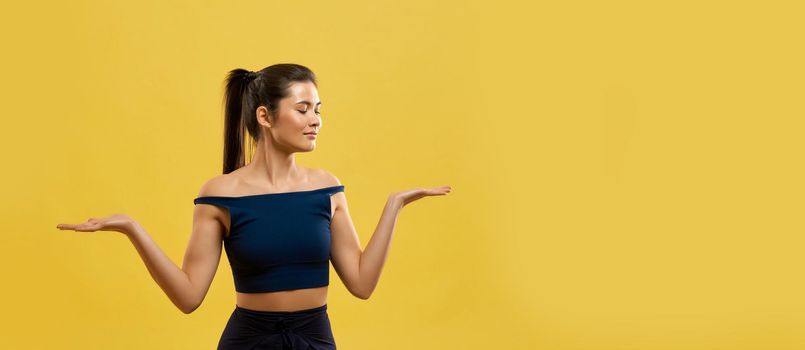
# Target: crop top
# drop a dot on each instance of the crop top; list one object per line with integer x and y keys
{"x": 278, "y": 241}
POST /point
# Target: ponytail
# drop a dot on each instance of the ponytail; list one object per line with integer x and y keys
{"x": 237, "y": 82}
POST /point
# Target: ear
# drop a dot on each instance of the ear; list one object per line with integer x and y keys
{"x": 263, "y": 116}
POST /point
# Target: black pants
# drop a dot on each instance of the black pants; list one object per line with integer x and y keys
{"x": 307, "y": 329}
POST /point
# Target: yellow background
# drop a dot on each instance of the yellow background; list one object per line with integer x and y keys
{"x": 626, "y": 175}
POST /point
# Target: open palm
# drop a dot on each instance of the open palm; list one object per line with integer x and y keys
{"x": 408, "y": 196}
{"x": 117, "y": 222}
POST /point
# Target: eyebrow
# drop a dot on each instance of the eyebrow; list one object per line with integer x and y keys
{"x": 307, "y": 102}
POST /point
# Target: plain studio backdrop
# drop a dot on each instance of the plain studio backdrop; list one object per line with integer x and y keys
{"x": 626, "y": 174}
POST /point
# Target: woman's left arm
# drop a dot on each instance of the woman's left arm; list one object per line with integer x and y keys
{"x": 360, "y": 270}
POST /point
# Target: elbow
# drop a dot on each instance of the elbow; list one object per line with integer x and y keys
{"x": 362, "y": 294}
{"x": 188, "y": 308}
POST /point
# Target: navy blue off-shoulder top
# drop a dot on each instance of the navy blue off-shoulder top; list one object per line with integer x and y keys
{"x": 278, "y": 241}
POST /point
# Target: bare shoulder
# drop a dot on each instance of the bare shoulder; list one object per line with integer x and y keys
{"x": 327, "y": 179}
{"x": 323, "y": 177}
{"x": 220, "y": 185}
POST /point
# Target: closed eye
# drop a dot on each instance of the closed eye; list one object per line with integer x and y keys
{"x": 303, "y": 112}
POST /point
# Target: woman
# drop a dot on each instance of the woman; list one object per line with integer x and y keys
{"x": 280, "y": 223}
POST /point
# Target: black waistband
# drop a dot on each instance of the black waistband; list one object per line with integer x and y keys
{"x": 282, "y": 313}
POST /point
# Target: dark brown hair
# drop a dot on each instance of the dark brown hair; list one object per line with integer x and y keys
{"x": 245, "y": 91}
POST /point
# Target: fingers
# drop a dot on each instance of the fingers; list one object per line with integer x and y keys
{"x": 85, "y": 227}
{"x": 442, "y": 190}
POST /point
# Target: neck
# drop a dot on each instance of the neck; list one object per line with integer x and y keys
{"x": 273, "y": 167}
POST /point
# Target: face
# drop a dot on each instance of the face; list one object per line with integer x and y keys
{"x": 297, "y": 114}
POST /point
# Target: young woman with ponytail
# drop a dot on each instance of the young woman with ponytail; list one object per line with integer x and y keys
{"x": 280, "y": 223}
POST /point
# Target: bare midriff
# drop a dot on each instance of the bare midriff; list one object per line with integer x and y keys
{"x": 286, "y": 300}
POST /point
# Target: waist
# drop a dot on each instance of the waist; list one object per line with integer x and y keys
{"x": 302, "y": 312}
{"x": 287, "y": 300}
{"x": 310, "y": 321}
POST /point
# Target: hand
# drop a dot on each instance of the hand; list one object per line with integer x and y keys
{"x": 117, "y": 222}
{"x": 408, "y": 196}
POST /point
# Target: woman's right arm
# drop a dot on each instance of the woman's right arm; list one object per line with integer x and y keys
{"x": 185, "y": 287}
